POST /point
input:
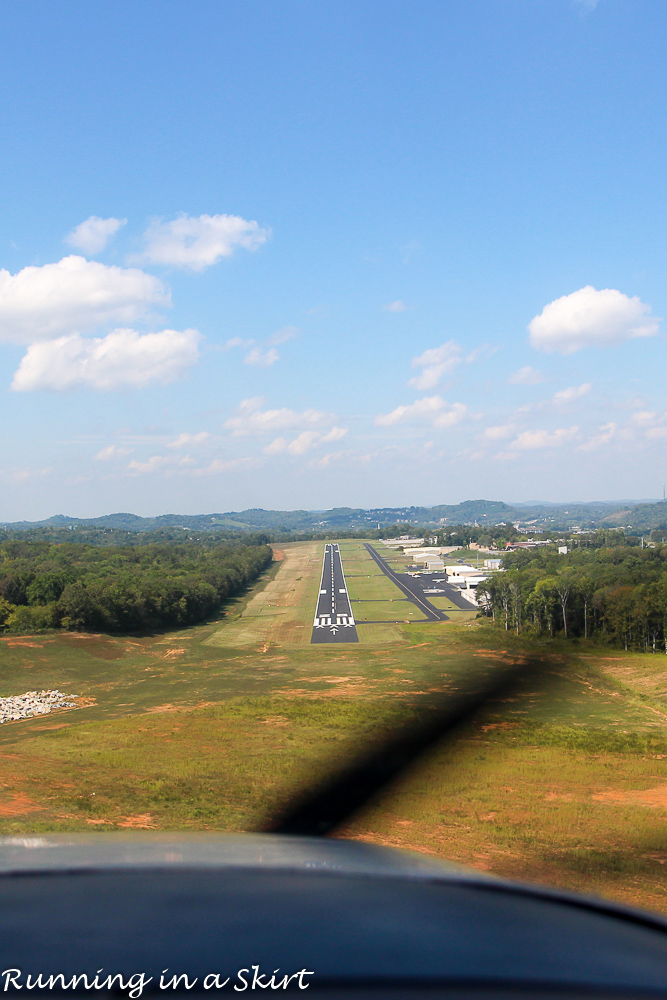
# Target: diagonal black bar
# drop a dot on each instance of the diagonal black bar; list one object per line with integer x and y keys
{"x": 320, "y": 810}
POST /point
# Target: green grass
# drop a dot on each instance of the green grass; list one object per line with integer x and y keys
{"x": 372, "y": 588}
{"x": 393, "y": 611}
{"x": 210, "y": 728}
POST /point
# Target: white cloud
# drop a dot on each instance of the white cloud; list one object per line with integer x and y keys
{"x": 435, "y": 362}
{"x": 259, "y": 358}
{"x": 196, "y": 242}
{"x": 526, "y": 376}
{"x": 24, "y": 475}
{"x": 644, "y": 418}
{"x": 284, "y": 334}
{"x": 112, "y": 451}
{"x": 591, "y": 318}
{"x": 253, "y": 420}
{"x": 395, "y": 307}
{"x": 73, "y": 295}
{"x": 605, "y": 434}
{"x": 171, "y": 464}
{"x": 153, "y": 464}
{"x": 650, "y": 423}
{"x": 483, "y": 351}
{"x": 124, "y": 358}
{"x": 304, "y": 442}
{"x": 93, "y": 235}
{"x": 574, "y": 392}
{"x": 432, "y": 409}
{"x": 185, "y": 440}
{"x": 299, "y": 446}
{"x": 499, "y": 432}
{"x": 534, "y": 440}
{"x": 219, "y": 465}
{"x": 329, "y": 459}
{"x": 236, "y": 342}
{"x": 335, "y": 434}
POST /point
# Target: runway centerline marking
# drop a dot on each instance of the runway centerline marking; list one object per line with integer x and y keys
{"x": 334, "y": 620}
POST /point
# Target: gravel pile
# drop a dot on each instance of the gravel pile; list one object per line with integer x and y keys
{"x": 24, "y": 706}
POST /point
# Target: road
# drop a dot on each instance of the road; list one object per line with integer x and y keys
{"x": 334, "y": 621}
{"x": 413, "y": 588}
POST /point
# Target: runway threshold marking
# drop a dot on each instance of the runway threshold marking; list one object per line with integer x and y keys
{"x": 334, "y": 621}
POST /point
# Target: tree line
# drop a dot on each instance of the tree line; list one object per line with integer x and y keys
{"x": 105, "y": 588}
{"x": 615, "y": 593}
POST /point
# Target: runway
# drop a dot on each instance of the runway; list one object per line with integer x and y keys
{"x": 334, "y": 621}
{"x": 413, "y": 588}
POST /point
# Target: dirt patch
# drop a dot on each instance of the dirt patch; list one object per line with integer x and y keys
{"x": 23, "y": 642}
{"x": 99, "y": 646}
{"x": 18, "y": 805}
{"x": 142, "y": 822}
{"x": 41, "y": 729}
{"x": 278, "y": 555}
{"x": 171, "y": 653}
{"x": 164, "y": 708}
{"x": 655, "y": 798}
{"x": 84, "y": 701}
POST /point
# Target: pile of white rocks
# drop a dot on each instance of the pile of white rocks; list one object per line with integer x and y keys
{"x": 25, "y": 706}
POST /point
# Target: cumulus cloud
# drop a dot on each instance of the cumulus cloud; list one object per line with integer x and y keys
{"x": 535, "y": 440}
{"x": 330, "y": 458}
{"x": 236, "y": 342}
{"x": 435, "y": 363}
{"x": 335, "y": 434}
{"x": 649, "y": 423}
{"x": 153, "y": 464}
{"x": 304, "y": 442}
{"x": 644, "y": 418}
{"x": 24, "y": 475}
{"x": 526, "y": 376}
{"x": 186, "y": 440}
{"x": 260, "y": 358}
{"x": 299, "y": 446}
{"x": 112, "y": 451}
{"x": 284, "y": 334}
{"x": 124, "y": 358}
{"x": 73, "y": 295}
{"x": 253, "y": 420}
{"x": 94, "y": 233}
{"x": 196, "y": 242}
{"x": 499, "y": 432}
{"x": 591, "y": 318}
{"x": 570, "y": 395}
{"x": 432, "y": 409}
{"x": 219, "y": 465}
{"x": 395, "y": 307}
{"x": 605, "y": 434}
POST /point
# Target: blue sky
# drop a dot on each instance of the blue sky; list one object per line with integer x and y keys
{"x": 306, "y": 254}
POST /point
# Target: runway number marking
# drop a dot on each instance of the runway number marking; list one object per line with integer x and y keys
{"x": 335, "y": 619}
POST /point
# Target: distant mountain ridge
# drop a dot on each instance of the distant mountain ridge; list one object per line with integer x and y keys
{"x": 642, "y": 516}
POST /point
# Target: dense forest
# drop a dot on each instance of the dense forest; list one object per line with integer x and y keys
{"x": 613, "y": 592}
{"x": 120, "y": 588}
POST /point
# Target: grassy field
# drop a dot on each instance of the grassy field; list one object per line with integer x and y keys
{"x": 211, "y": 727}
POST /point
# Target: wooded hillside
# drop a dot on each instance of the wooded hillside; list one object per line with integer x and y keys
{"x": 616, "y": 593}
{"x": 121, "y": 588}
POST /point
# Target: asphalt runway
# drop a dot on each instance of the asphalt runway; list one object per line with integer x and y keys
{"x": 334, "y": 621}
{"x": 413, "y": 588}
